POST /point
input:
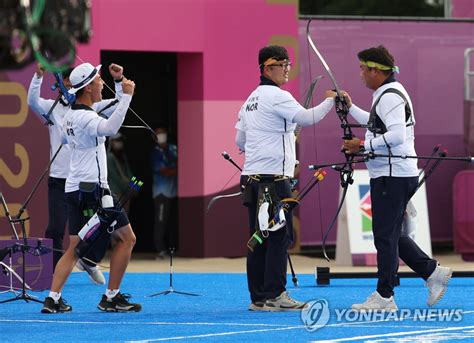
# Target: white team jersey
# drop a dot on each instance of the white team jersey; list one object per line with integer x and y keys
{"x": 60, "y": 166}
{"x": 391, "y": 110}
{"x": 267, "y": 120}
{"x": 88, "y": 155}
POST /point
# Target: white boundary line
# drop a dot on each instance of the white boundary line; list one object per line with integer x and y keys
{"x": 216, "y": 334}
{"x": 395, "y": 334}
{"x": 271, "y": 327}
{"x": 279, "y": 326}
{"x": 352, "y": 324}
{"x": 399, "y": 326}
{"x": 390, "y": 320}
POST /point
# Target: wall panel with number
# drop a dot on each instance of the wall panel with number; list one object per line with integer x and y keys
{"x": 24, "y": 153}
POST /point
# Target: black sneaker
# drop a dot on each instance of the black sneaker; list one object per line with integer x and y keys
{"x": 49, "y": 306}
{"x": 119, "y": 303}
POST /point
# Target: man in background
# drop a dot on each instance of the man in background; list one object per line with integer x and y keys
{"x": 118, "y": 167}
{"x": 164, "y": 158}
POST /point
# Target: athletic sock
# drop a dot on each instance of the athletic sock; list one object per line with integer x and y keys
{"x": 55, "y": 295}
{"x": 110, "y": 293}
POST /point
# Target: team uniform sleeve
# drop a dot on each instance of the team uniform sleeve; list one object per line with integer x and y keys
{"x": 361, "y": 116}
{"x": 240, "y": 125}
{"x": 38, "y": 104}
{"x": 109, "y": 127}
{"x": 102, "y": 106}
{"x": 286, "y": 106}
{"x": 311, "y": 116}
{"x": 240, "y": 136}
{"x": 240, "y": 139}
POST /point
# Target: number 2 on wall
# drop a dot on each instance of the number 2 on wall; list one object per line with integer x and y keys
{"x": 15, "y": 120}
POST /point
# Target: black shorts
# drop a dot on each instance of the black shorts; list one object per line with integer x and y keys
{"x": 76, "y": 219}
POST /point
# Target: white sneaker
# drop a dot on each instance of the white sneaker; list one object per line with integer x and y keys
{"x": 257, "y": 306}
{"x": 437, "y": 284}
{"x": 94, "y": 272}
{"x": 375, "y": 302}
{"x": 283, "y": 303}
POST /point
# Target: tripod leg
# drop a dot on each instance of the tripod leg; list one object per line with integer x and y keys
{"x": 8, "y": 270}
{"x": 293, "y": 275}
{"x": 161, "y": 293}
{"x": 23, "y": 295}
{"x": 13, "y": 273}
{"x": 7, "y": 214}
{"x": 170, "y": 289}
{"x": 185, "y": 293}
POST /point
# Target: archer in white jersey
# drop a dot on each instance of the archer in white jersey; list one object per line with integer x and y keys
{"x": 59, "y": 169}
{"x": 266, "y": 132}
{"x": 393, "y": 181}
{"x": 85, "y": 132}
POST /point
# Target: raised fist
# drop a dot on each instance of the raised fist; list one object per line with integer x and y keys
{"x": 128, "y": 86}
{"x": 39, "y": 70}
{"x": 116, "y": 71}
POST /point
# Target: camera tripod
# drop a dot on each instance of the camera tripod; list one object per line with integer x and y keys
{"x": 8, "y": 251}
{"x": 8, "y": 270}
{"x": 23, "y": 248}
{"x": 170, "y": 288}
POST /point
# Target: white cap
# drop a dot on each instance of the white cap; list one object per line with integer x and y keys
{"x": 82, "y": 75}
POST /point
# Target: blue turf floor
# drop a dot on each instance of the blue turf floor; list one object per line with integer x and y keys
{"x": 220, "y": 313}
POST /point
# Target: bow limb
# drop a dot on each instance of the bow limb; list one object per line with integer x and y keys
{"x": 309, "y": 93}
{"x": 339, "y": 207}
{"x": 239, "y": 169}
{"x": 216, "y": 198}
{"x": 308, "y": 100}
{"x": 307, "y": 104}
{"x": 341, "y": 106}
{"x": 321, "y": 59}
{"x": 346, "y": 171}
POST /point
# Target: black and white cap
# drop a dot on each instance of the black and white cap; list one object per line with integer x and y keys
{"x": 82, "y": 75}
